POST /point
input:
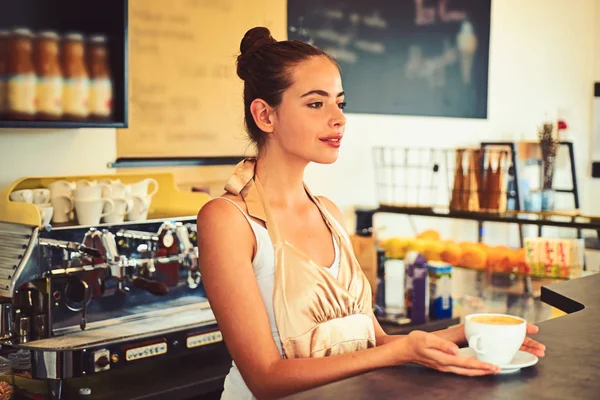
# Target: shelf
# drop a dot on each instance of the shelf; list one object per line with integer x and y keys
{"x": 167, "y": 203}
{"x": 61, "y": 124}
{"x": 156, "y": 162}
{"x": 504, "y": 273}
{"x": 109, "y": 18}
{"x": 512, "y": 217}
{"x": 100, "y": 226}
{"x": 516, "y": 274}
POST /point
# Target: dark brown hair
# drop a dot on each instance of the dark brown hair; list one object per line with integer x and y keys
{"x": 264, "y": 65}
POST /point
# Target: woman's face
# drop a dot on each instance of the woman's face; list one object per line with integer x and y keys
{"x": 309, "y": 123}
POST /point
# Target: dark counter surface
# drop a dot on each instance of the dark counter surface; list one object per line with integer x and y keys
{"x": 570, "y": 369}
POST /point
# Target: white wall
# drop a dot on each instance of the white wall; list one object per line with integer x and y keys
{"x": 542, "y": 55}
{"x": 46, "y": 152}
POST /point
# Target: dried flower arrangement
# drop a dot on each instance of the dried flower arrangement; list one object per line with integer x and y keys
{"x": 549, "y": 136}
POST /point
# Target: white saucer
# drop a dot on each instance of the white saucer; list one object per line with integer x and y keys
{"x": 521, "y": 360}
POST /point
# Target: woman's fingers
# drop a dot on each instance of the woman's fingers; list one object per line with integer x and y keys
{"x": 533, "y": 347}
{"x": 443, "y": 345}
{"x": 528, "y": 342}
{"x": 532, "y": 329}
{"x": 469, "y": 371}
{"x": 533, "y": 350}
{"x": 446, "y": 360}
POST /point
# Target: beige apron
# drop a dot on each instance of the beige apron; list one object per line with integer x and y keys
{"x": 317, "y": 315}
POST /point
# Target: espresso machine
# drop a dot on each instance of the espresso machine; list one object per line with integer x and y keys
{"x": 84, "y": 300}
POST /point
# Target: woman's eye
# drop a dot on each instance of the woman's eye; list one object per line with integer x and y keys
{"x": 342, "y": 105}
{"x": 317, "y": 104}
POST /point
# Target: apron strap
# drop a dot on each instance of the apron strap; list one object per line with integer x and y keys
{"x": 272, "y": 227}
{"x": 241, "y": 183}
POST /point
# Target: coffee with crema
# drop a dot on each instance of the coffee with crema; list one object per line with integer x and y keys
{"x": 496, "y": 320}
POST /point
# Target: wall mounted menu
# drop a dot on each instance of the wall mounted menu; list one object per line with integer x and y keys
{"x": 185, "y": 96}
{"x": 408, "y": 57}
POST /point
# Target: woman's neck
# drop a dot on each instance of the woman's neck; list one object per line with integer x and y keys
{"x": 282, "y": 178}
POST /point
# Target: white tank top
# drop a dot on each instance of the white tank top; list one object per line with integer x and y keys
{"x": 263, "y": 265}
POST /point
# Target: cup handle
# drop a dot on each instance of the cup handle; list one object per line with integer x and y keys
{"x": 143, "y": 203}
{"x": 155, "y": 189}
{"x": 110, "y": 209}
{"x": 70, "y": 201}
{"x": 106, "y": 190}
{"x": 473, "y": 341}
{"x": 128, "y": 205}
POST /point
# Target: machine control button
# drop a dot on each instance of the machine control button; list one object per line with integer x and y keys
{"x": 102, "y": 361}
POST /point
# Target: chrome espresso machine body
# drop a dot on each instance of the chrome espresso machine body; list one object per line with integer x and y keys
{"x": 85, "y": 300}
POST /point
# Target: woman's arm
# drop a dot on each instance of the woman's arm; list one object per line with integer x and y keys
{"x": 455, "y": 334}
{"x": 225, "y": 247}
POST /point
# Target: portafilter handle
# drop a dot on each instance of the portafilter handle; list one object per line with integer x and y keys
{"x": 152, "y": 287}
{"x": 69, "y": 246}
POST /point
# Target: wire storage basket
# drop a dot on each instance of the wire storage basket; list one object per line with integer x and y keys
{"x": 410, "y": 177}
{"x": 462, "y": 179}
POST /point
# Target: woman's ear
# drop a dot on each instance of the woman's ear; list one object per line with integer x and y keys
{"x": 262, "y": 113}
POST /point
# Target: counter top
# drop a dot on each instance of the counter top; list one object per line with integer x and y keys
{"x": 570, "y": 369}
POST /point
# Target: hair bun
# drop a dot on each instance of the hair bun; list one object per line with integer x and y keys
{"x": 255, "y": 38}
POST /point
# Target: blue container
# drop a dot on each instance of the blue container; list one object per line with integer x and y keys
{"x": 440, "y": 290}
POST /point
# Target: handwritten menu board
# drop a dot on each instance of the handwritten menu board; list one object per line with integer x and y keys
{"x": 185, "y": 96}
{"x": 407, "y": 57}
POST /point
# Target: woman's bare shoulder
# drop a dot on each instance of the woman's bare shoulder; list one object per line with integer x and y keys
{"x": 217, "y": 208}
{"x": 333, "y": 209}
{"x": 221, "y": 214}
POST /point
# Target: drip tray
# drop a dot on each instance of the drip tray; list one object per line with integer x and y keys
{"x": 166, "y": 321}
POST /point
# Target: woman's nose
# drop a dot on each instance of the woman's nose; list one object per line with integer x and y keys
{"x": 338, "y": 119}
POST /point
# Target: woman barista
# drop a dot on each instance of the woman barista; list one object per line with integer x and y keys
{"x": 289, "y": 296}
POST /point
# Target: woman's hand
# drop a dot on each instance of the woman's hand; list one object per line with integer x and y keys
{"x": 531, "y": 346}
{"x": 434, "y": 352}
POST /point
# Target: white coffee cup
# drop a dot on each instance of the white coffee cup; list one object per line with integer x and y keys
{"x": 22, "y": 196}
{"x": 89, "y": 211}
{"x": 493, "y": 338}
{"x": 92, "y": 192}
{"x": 41, "y": 196}
{"x": 83, "y": 183}
{"x": 138, "y": 209}
{"x": 46, "y": 212}
{"x": 117, "y": 215}
{"x": 61, "y": 188}
{"x": 116, "y": 190}
{"x": 142, "y": 188}
{"x": 63, "y": 205}
{"x": 109, "y": 181}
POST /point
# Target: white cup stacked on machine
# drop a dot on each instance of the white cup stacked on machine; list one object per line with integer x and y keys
{"x": 40, "y": 198}
{"x": 140, "y": 199}
{"x": 109, "y": 199}
{"x": 92, "y": 201}
{"x": 61, "y": 198}
{"x": 119, "y": 193}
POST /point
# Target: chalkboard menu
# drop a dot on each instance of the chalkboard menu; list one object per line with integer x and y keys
{"x": 407, "y": 57}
